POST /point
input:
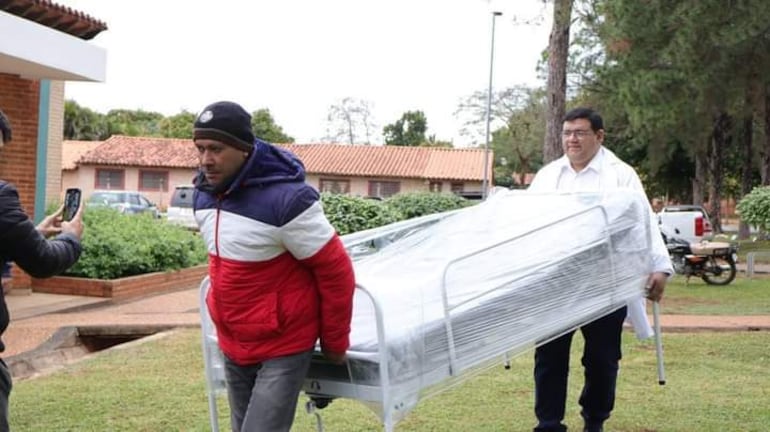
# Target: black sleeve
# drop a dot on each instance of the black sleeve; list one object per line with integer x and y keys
{"x": 22, "y": 243}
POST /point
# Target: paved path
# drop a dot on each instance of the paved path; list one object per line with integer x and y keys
{"x": 37, "y": 316}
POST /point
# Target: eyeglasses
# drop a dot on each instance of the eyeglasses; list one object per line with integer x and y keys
{"x": 580, "y": 134}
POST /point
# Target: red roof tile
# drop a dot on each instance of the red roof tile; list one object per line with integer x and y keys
{"x": 72, "y": 151}
{"x": 143, "y": 151}
{"x": 391, "y": 161}
{"x": 329, "y": 159}
{"x": 55, "y": 16}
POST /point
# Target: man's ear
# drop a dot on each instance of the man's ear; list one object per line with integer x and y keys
{"x": 5, "y": 128}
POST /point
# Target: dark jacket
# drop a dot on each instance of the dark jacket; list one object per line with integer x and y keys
{"x": 21, "y": 243}
{"x": 280, "y": 276}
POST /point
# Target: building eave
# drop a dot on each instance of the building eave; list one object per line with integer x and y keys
{"x": 34, "y": 51}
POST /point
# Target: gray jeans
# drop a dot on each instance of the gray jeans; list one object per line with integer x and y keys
{"x": 263, "y": 397}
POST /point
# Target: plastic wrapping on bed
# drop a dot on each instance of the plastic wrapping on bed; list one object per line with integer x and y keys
{"x": 445, "y": 295}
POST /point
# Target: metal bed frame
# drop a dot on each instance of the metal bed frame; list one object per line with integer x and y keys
{"x": 383, "y": 392}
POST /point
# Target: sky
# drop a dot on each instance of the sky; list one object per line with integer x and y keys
{"x": 299, "y": 57}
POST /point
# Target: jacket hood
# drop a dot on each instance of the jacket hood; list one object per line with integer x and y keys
{"x": 266, "y": 165}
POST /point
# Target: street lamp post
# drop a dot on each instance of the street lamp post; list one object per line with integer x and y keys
{"x": 485, "y": 182}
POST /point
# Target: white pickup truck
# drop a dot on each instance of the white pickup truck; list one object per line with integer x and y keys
{"x": 689, "y": 222}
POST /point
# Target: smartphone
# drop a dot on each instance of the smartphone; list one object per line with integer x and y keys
{"x": 71, "y": 203}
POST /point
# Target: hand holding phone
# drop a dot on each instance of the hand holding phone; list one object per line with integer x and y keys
{"x": 71, "y": 204}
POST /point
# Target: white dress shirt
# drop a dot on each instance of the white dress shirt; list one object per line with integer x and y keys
{"x": 607, "y": 171}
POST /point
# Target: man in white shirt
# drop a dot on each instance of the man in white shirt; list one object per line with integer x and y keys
{"x": 588, "y": 166}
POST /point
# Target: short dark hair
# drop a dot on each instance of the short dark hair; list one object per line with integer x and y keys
{"x": 5, "y": 127}
{"x": 585, "y": 113}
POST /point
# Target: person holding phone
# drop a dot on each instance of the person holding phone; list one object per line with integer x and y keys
{"x": 43, "y": 251}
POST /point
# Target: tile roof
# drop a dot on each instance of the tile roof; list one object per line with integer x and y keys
{"x": 143, "y": 151}
{"x": 392, "y": 161}
{"x": 329, "y": 159}
{"x": 55, "y": 16}
{"x": 72, "y": 151}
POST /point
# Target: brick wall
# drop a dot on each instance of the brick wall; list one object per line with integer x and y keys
{"x": 53, "y": 189}
{"x": 19, "y": 100}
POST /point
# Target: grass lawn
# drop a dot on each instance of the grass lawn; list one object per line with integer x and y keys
{"x": 746, "y": 246}
{"x": 741, "y": 297}
{"x": 716, "y": 382}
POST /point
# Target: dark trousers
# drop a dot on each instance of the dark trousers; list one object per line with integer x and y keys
{"x": 263, "y": 397}
{"x": 601, "y": 356}
{"x": 5, "y": 392}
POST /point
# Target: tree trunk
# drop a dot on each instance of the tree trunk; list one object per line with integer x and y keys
{"x": 720, "y": 139}
{"x": 701, "y": 175}
{"x": 747, "y": 131}
{"x": 558, "y": 50}
{"x": 764, "y": 168}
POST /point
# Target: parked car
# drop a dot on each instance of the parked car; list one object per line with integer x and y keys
{"x": 180, "y": 209}
{"x": 690, "y": 222}
{"x": 128, "y": 202}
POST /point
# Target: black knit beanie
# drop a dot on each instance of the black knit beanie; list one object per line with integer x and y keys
{"x": 227, "y": 122}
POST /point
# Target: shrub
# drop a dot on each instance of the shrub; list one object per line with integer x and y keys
{"x": 350, "y": 214}
{"x": 754, "y": 208}
{"x": 117, "y": 245}
{"x": 414, "y": 204}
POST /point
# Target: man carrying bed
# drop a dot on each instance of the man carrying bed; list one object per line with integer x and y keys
{"x": 280, "y": 276}
{"x": 589, "y": 166}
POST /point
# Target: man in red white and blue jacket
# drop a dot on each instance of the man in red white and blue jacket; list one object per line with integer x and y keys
{"x": 280, "y": 276}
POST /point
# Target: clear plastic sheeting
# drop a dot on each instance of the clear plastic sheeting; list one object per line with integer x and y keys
{"x": 444, "y": 296}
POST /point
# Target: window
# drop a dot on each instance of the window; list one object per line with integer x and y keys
{"x": 183, "y": 197}
{"x": 383, "y": 189}
{"x": 109, "y": 178}
{"x": 153, "y": 180}
{"x": 435, "y": 186}
{"x": 458, "y": 187}
{"x": 335, "y": 186}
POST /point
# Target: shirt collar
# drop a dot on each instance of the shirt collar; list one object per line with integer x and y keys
{"x": 595, "y": 164}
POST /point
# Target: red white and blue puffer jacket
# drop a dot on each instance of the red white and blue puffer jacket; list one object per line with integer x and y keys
{"x": 280, "y": 276}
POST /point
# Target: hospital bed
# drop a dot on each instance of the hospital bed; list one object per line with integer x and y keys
{"x": 445, "y": 296}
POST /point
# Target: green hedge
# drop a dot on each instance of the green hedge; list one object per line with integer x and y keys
{"x": 117, "y": 245}
{"x": 349, "y": 214}
{"x": 415, "y": 204}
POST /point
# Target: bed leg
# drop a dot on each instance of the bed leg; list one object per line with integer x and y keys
{"x": 312, "y": 406}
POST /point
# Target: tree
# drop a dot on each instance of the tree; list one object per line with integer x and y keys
{"x": 558, "y": 52}
{"x": 133, "y": 122}
{"x": 765, "y": 166}
{"x": 407, "y": 131}
{"x": 517, "y": 141}
{"x": 432, "y": 141}
{"x": 350, "y": 121}
{"x": 81, "y": 123}
{"x": 679, "y": 72}
{"x": 265, "y": 128}
{"x": 178, "y": 125}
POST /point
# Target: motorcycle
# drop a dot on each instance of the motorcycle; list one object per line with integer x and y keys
{"x": 714, "y": 262}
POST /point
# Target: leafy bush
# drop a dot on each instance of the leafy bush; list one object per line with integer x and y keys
{"x": 350, "y": 214}
{"x": 414, "y": 204}
{"x": 117, "y": 245}
{"x": 754, "y": 208}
